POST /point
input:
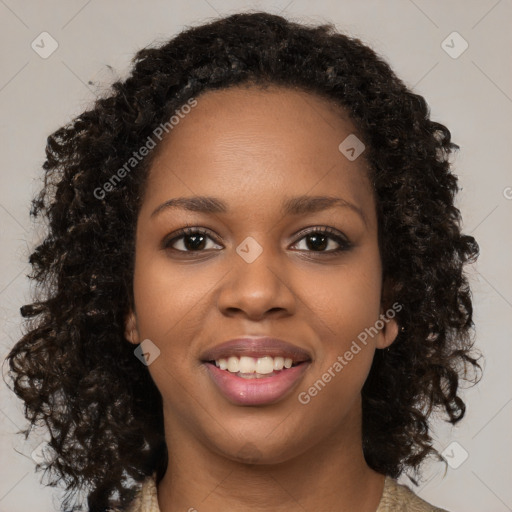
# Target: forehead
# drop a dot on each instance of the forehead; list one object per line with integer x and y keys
{"x": 253, "y": 143}
{"x": 253, "y": 116}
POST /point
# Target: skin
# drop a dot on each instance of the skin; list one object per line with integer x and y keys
{"x": 252, "y": 148}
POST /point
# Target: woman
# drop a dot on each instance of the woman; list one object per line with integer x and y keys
{"x": 253, "y": 280}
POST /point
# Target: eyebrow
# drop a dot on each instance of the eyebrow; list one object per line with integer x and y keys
{"x": 299, "y": 205}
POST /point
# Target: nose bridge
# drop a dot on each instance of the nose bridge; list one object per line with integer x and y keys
{"x": 257, "y": 281}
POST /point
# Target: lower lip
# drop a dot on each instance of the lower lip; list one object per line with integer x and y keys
{"x": 265, "y": 390}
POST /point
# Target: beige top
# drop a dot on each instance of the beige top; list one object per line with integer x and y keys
{"x": 395, "y": 498}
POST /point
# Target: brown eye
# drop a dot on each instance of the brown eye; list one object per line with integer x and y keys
{"x": 320, "y": 239}
{"x": 188, "y": 240}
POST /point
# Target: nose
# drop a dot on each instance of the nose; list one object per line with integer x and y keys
{"x": 257, "y": 288}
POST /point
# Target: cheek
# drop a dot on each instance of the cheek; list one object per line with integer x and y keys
{"x": 347, "y": 300}
{"x": 165, "y": 299}
{"x": 344, "y": 307}
{"x": 170, "y": 308}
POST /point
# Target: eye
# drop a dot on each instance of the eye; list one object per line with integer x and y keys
{"x": 320, "y": 238}
{"x": 317, "y": 240}
{"x": 188, "y": 240}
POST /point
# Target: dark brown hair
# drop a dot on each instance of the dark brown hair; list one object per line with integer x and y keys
{"x": 73, "y": 368}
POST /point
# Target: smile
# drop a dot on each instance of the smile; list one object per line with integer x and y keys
{"x": 256, "y": 371}
{"x": 244, "y": 382}
{"x": 261, "y": 365}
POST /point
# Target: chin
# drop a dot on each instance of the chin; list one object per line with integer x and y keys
{"x": 261, "y": 452}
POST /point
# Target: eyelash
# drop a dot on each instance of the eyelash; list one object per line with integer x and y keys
{"x": 343, "y": 243}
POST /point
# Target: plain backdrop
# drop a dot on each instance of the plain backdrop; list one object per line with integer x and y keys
{"x": 468, "y": 88}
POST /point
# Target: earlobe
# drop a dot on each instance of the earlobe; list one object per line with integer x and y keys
{"x": 130, "y": 332}
{"x": 391, "y": 328}
{"x": 388, "y": 333}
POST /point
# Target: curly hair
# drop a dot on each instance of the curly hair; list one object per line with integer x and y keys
{"x": 73, "y": 367}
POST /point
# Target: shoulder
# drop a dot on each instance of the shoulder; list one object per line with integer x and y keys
{"x": 397, "y": 497}
{"x": 146, "y": 499}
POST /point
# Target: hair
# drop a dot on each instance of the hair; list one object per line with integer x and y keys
{"x": 73, "y": 367}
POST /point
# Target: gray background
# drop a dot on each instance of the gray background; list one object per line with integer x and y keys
{"x": 471, "y": 94}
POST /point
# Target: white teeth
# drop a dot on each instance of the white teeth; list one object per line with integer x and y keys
{"x": 264, "y": 365}
{"x": 278, "y": 363}
{"x": 233, "y": 363}
{"x": 258, "y": 365}
{"x": 246, "y": 365}
{"x": 254, "y": 375}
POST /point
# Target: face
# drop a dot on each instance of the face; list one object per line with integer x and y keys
{"x": 261, "y": 263}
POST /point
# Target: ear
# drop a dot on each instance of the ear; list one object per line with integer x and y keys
{"x": 388, "y": 312}
{"x": 131, "y": 332}
{"x": 388, "y": 333}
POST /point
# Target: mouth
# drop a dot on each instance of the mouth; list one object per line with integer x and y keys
{"x": 259, "y": 371}
{"x": 255, "y": 367}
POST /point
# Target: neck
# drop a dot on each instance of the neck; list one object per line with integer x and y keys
{"x": 332, "y": 475}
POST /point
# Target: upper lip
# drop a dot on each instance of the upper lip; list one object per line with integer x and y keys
{"x": 256, "y": 347}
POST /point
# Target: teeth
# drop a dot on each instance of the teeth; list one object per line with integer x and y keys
{"x": 254, "y": 375}
{"x": 233, "y": 364}
{"x": 264, "y": 365}
{"x": 278, "y": 363}
{"x": 259, "y": 365}
{"x": 246, "y": 365}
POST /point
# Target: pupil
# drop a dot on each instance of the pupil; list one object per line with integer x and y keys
{"x": 196, "y": 244}
{"x": 315, "y": 241}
